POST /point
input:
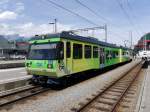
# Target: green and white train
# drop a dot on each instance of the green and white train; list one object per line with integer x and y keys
{"x": 53, "y": 58}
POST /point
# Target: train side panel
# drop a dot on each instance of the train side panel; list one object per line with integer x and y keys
{"x": 112, "y": 56}
{"x": 79, "y": 63}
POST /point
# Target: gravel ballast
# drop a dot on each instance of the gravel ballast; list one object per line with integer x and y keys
{"x": 64, "y": 100}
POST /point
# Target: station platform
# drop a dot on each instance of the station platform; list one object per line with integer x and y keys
{"x": 11, "y": 64}
{"x": 11, "y": 61}
{"x": 143, "y": 104}
{"x": 10, "y": 73}
{"x": 13, "y": 78}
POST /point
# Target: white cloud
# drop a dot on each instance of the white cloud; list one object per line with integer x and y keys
{"x": 30, "y": 29}
{"x": 5, "y": 29}
{"x": 8, "y": 15}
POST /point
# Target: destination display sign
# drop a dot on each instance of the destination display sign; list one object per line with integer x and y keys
{"x": 44, "y": 46}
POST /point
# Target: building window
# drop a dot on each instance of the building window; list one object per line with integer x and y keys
{"x": 77, "y": 51}
{"x": 95, "y": 52}
{"x": 87, "y": 51}
{"x": 68, "y": 50}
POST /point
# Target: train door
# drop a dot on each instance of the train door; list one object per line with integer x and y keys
{"x": 102, "y": 57}
{"x": 120, "y": 55}
{"x": 69, "y": 57}
{"x": 77, "y": 56}
{"x": 103, "y": 50}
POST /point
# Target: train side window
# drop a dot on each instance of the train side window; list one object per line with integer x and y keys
{"x": 117, "y": 54}
{"x": 60, "y": 48}
{"x": 114, "y": 54}
{"x": 107, "y": 55}
{"x": 123, "y": 53}
{"x": 101, "y": 55}
{"x": 95, "y": 52}
{"x": 77, "y": 51}
{"x": 87, "y": 50}
{"x": 68, "y": 50}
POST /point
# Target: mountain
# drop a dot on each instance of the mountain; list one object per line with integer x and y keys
{"x": 16, "y": 38}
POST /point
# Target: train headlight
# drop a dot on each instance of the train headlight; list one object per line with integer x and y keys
{"x": 50, "y": 66}
{"x": 28, "y": 64}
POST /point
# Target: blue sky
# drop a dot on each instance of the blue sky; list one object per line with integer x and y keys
{"x": 30, "y": 17}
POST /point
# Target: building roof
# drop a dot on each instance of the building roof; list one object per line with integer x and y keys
{"x": 72, "y": 36}
{"x": 4, "y": 44}
{"x": 22, "y": 46}
{"x": 145, "y": 37}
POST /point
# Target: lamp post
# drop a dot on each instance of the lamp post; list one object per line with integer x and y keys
{"x": 54, "y": 25}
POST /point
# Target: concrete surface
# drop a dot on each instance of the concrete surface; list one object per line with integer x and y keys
{"x": 64, "y": 100}
{"x": 12, "y": 64}
{"x": 13, "y": 78}
{"x": 11, "y": 61}
{"x": 11, "y": 73}
{"x": 144, "y": 99}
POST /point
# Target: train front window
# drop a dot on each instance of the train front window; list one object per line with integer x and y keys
{"x": 50, "y": 51}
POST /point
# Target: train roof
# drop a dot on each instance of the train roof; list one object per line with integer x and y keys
{"x": 72, "y": 36}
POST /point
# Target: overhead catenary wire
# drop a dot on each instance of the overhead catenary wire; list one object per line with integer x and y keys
{"x": 74, "y": 13}
{"x": 91, "y": 10}
{"x": 127, "y": 16}
{"x": 133, "y": 13}
{"x": 78, "y": 15}
{"x": 95, "y": 13}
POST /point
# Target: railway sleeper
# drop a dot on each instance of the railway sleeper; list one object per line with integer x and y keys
{"x": 126, "y": 100}
{"x": 130, "y": 92}
{"x": 111, "y": 98}
{"x": 120, "y": 88}
{"x": 106, "y": 101}
{"x": 101, "y": 108}
{"x": 116, "y": 90}
{"x": 113, "y": 92}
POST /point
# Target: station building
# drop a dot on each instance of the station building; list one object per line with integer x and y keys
{"x": 22, "y": 47}
{"x": 15, "y": 47}
{"x": 143, "y": 43}
{"x": 5, "y": 46}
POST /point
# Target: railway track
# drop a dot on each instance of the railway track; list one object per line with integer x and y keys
{"x": 109, "y": 99}
{"x": 21, "y": 94}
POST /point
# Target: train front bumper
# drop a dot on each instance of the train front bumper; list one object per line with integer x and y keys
{"x": 41, "y": 72}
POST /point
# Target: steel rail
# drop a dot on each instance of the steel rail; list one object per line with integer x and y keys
{"x": 8, "y": 93}
{"x": 122, "y": 95}
{"x": 80, "y": 109}
{"x": 20, "y": 95}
